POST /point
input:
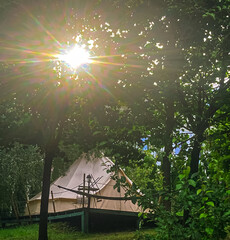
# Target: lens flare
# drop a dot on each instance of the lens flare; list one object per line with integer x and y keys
{"x": 75, "y": 57}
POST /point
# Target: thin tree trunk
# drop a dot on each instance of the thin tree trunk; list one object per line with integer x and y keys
{"x": 14, "y": 207}
{"x": 166, "y": 165}
{"x": 49, "y": 155}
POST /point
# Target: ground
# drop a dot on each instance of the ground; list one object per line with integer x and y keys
{"x": 63, "y": 232}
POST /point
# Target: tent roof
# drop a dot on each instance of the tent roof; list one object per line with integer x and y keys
{"x": 97, "y": 167}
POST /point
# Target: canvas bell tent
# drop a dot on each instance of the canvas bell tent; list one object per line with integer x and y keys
{"x": 85, "y": 176}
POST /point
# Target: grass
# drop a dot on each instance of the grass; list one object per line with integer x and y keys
{"x": 62, "y": 232}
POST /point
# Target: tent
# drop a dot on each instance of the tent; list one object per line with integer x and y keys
{"x": 100, "y": 183}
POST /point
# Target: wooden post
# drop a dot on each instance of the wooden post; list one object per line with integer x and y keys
{"x": 53, "y": 201}
{"x": 83, "y": 200}
{"x": 89, "y": 179}
{"x": 85, "y": 211}
{"x": 85, "y": 221}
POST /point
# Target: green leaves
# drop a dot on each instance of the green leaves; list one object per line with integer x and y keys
{"x": 187, "y": 171}
{"x": 209, "y": 14}
{"x": 181, "y": 176}
{"x": 180, "y": 214}
{"x": 134, "y": 199}
{"x": 198, "y": 191}
{"x": 192, "y": 182}
{"x": 209, "y": 231}
{"x": 96, "y": 133}
{"x": 102, "y": 143}
{"x": 203, "y": 215}
{"x": 123, "y": 179}
{"x": 20, "y": 174}
{"x": 210, "y": 204}
{"x": 226, "y": 214}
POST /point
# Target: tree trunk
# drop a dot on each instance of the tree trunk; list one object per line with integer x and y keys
{"x": 49, "y": 155}
{"x": 194, "y": 166}
{"x": 166, "y": 165}
{"x": 195, "y": 157}
{"x": 166, "y": 168}
{"x": 52, "y": 134}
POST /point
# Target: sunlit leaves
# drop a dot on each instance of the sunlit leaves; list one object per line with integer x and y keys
{"x": 198, "y": 191}
{"x": 210, "y": 204}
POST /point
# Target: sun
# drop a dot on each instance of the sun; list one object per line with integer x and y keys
{"x": 75, "y": 57}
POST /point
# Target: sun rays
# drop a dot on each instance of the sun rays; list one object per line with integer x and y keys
{"x": 41, "y": 47}
{"x": 75, "y": 57}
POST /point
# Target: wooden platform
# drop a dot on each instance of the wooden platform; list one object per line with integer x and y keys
{"x": 86, "y": 219}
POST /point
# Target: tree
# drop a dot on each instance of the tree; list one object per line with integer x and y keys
{"x": 21, "y": 168}
{"x": 52, "y": 98}
{"x": 158, "y": 79}
{"x": 187, "y": 105}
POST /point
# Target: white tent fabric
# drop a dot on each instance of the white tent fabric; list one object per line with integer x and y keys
{"x": 101, "y": 182}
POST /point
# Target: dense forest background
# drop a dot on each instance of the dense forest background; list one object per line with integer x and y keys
{"x": 157, "y": 102}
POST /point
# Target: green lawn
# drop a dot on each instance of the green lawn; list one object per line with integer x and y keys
{"x": 62, "y": 232}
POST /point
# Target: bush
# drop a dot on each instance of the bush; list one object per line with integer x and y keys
{"x": 207, "y": 205}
